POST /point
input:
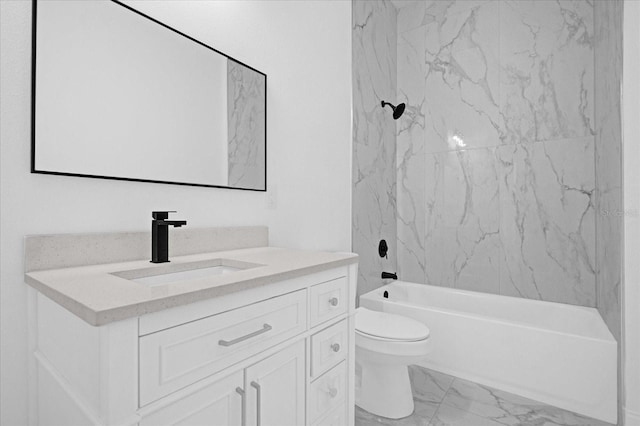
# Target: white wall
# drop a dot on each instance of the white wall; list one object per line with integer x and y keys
{"x": 631, "y": 290}
{"x": 305, "y": 50}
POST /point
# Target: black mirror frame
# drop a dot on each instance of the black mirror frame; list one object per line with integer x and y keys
{"x": 33, "y": 109}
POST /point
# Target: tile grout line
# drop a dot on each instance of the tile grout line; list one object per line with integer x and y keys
{"x": 441, "y": 400}
{"x": 448, "y": 389}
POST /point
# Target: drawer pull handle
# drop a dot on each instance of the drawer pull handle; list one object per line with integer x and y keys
{"x": 264, "y": 329}
{"x": 244, "y": 402}
{"x": 335, "y": 347}
{"x": 333, "y": 392}
{"x": 333, "y": 301}
{"x": 258, "y": 397}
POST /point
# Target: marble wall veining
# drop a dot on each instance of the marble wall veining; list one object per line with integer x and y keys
{"x": 507, "y": 156}
{"x": 608, "y": 170}
{"x": 374, "y": 139}
{"x": 495, "y": 157}
{"x": 547, "y": 228}
{"x": 608, "y": 161}
{"x": 412, "y": 175}
{"x": 246, "y": 126}
{"x": 462, "y": 244}
{"x": 546, "y": 59}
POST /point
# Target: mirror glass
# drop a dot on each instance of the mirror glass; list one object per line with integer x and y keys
{"x": 119, "y": 95}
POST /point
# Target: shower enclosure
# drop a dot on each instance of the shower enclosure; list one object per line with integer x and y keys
{"x": 503, "y": 175}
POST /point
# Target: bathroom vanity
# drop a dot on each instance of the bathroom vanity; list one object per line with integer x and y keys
{"x": 230, "y": 332}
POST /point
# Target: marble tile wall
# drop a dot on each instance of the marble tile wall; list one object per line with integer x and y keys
{"x": 495, "y": 157}
{"x": 412, "y": 173}
{"x": 608, "y": 160}
{"x": 374, "y": 138}
{"x": 608, "y": 169}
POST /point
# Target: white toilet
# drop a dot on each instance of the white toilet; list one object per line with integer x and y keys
{"x": 385, "y": 345}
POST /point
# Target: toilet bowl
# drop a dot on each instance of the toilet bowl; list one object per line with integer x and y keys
{"x": 385, "y": 345}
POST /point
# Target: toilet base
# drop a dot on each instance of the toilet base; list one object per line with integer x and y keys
{"x": 384, "y": 390}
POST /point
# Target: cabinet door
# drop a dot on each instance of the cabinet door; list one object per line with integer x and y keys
{"x": 218, "y": 404}
{"x": 275, "y": 389}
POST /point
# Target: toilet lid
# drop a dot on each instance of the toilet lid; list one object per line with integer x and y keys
{"x": 389, "y": 326}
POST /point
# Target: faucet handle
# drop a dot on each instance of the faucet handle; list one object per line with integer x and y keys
{"x": 163, "y": 214}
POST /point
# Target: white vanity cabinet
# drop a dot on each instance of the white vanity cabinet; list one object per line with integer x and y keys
{"x": 274, "y": 355}
{"x": 270, "y": 392}
{"x": 275, "y": 388}
{"x": 178, "y": 356}
{"x": 218, "y": 403}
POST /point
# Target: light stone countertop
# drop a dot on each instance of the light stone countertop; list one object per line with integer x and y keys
{"x": 97, "y": 296}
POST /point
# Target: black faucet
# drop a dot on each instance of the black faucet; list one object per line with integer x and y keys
{"x": 387, "y": 275}
{"x": 160, "y": 235}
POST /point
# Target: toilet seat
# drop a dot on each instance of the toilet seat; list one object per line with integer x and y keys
{"x": 389, "y": 327}
{"x": 385, "y": 345}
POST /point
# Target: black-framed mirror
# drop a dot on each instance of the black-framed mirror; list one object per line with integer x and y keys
{"x": 119, "y": 95}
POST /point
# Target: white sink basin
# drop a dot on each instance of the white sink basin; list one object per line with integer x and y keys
{"x": 186, "y": 275}
{"x": 171, "y": 273}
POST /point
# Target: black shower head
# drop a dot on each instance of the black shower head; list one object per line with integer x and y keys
{"x": 397, "y": 110}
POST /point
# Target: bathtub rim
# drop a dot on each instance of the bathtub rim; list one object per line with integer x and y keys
{"x": 606, "y": 335}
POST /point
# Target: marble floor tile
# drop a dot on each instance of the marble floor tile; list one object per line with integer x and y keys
{"x": 508, "y": 409}
{"x": 452, "y": 416}
{"x": 442, "y": 400}
{"x": 364, "y": 418}
{"x": 429, "y": 387}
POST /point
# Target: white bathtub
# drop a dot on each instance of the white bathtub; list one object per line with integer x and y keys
{"x": 559, "y": 354}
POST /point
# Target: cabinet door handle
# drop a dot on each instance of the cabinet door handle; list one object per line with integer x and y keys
{"x": 333, "y": 301}
{"x": 264, "y": 329}
{"x": 335, "y": 347}
{"x": 244, "y": 403}
{"x": 257, "y": 386}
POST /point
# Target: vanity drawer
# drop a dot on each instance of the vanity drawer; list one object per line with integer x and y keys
{"x": 328, "y": 300}
{"x": 328, "y": 347}
{"x": 174, "y": 358}
{"x": 327, "y": 392}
